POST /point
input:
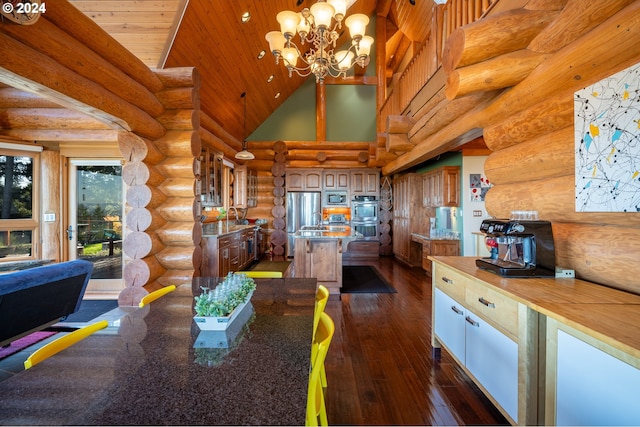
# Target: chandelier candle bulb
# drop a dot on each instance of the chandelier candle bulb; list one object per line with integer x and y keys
{"x": 364, "y": 47}
{"x": 288, "y": 21}
{"x": 322, "y": 14}
{"x": 340, "y": 7}
{"x": 276, "y": 42}
{"x": 357, "y": 25}
{"x": 344, "y": 58}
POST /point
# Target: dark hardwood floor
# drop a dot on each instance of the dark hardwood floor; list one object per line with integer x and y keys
{"x": 380, "y": 367}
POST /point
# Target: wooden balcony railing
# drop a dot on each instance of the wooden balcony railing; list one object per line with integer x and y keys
{"x": 453, "y": 14}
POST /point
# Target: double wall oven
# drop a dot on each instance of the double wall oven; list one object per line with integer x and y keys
{"x": 364, "y": 216}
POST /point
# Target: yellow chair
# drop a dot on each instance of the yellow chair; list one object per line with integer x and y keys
{"x": 63, "y": 342}
{"x": 262, "y": 274}
{"x": 155, "y": 295}
{"x": 316, "y": 408}
{"x": 322, "y": 296}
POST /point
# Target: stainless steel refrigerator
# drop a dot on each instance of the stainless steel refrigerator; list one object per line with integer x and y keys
{"x": 303, "y": 208}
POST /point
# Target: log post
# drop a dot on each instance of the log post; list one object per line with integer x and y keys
{"x": 495, "y": 73}
{"x": 493, "y": 36}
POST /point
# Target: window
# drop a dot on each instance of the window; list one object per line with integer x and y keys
{"x": 18, "y": 205}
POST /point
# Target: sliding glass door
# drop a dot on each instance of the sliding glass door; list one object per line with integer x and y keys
{"x": 96, "y": 214}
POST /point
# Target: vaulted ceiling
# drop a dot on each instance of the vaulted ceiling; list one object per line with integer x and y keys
{"x": 209, "y": 35}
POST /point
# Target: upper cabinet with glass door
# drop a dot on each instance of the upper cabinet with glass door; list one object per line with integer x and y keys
{"x": 211, "y": 178}
{"x": 245, "y": 188}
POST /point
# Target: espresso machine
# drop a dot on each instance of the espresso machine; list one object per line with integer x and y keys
{"x": 519, "y": 248}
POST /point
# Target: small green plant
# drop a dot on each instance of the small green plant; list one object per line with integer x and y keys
{"x": 222, "y": 213}
{"x": 221, "y": 300}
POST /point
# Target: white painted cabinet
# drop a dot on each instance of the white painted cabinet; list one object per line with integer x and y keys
{"x": 591, "y": 386}
{"x": 488, "y": 355}
{"x": 492, "y": 358}
{"x": 449, "y": 324}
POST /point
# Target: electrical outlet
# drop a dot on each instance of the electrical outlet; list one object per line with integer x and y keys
{"x": 564, "y": 273}
{"x": 477, "y": 213}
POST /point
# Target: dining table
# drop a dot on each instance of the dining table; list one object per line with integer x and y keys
{"x": 154, "y": 366}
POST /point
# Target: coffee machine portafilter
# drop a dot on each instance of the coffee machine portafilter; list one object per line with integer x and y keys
{"x": 519, "y": 248}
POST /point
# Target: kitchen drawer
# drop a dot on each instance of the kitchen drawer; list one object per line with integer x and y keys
{"x": 449, "y": 281}
{"x": 227, "y": 240}
{"x": 496, "y": 308}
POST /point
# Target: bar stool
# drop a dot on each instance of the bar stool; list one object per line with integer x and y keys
{"x": 155, "y": 295}
{"x": 63, "y": 342}
{"x": 316, "y": 409}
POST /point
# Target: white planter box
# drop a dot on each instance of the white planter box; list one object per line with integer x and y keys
{"x": 208, "y": 323}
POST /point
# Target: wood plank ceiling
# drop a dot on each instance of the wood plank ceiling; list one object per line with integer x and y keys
{"x": 209, "y": 35}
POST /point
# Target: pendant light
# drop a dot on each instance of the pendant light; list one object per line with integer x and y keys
{"x": 244, "y": 154}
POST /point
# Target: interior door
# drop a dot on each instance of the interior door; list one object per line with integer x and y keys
{"x": 96, "y": 222}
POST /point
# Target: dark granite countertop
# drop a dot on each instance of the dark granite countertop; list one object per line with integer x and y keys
{"x": 145, "y": 368}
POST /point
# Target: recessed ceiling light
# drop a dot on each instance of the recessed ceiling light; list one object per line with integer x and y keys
{"x": 245, "y": 17}
{"x": 261, "y": 54}
{"x": 277, "y": 95}
{"x": 270, "y": 78}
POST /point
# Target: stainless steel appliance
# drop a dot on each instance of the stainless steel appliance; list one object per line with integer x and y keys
{"x": 519, "y": 248}
{"x": 336, "y": 198}
{"x": 337, "y": 219}
{"x": 303, "y": 208}
{"x": 369, "y": 230}
{"x": 364, "y": 216}
{"x": 364, "y": 209}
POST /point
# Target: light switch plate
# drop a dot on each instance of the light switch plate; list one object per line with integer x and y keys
{"x": 477, "y": 213}
{"x": 49, "y": 217}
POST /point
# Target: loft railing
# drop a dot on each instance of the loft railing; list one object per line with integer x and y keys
{"x": 454, "y": 14}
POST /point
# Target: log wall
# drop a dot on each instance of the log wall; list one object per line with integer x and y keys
{"x": 63, "y": 79}
{"x": 526, "y": 119}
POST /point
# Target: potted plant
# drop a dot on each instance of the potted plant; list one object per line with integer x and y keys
{"x": 217, "y": 308}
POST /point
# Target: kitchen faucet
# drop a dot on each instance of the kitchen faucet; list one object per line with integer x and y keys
{"x": 319, "y": 215}
{"x": 227, "y": 216}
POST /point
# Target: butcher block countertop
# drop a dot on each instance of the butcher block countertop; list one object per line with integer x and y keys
{"x": 610, "y": 315}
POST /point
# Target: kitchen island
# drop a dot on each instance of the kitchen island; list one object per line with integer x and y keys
{"x": 318, "y": 253}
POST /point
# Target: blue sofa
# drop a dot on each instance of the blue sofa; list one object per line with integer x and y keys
{"x": 33, "y": 299}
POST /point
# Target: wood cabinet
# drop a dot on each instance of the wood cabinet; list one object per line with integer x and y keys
{"x": 365, "y": 182}
{"x": 228, "y": 252}
{"x": 407, "y": 213}
{"x": 436, "y": 247}
{"x": 320, "y": 258}
{"x": 304, "y": 180}
{"x": 245, "y": 187}
{"x": 488, "y": 335}
{"x": 210, "y": 184}
{"x": 441, "y": 187}
{"x": 335, "y": 179}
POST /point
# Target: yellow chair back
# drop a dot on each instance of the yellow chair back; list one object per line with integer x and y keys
{"x": 262, "y": 274}
{"x": 63, "y": 342}
{"x": 316, "y": 408}
{"x": 322, "y": 296}
{"x": 155, "y": 295}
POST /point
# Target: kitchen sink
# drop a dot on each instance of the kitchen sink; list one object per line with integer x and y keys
{"x": 333, "y": 228}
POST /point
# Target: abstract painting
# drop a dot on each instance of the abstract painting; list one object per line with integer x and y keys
{"x": 607, "y": 144}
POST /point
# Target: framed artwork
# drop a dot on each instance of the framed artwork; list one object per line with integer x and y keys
{"x": 607, "y": 144}
{"x": 478, "y": 187}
